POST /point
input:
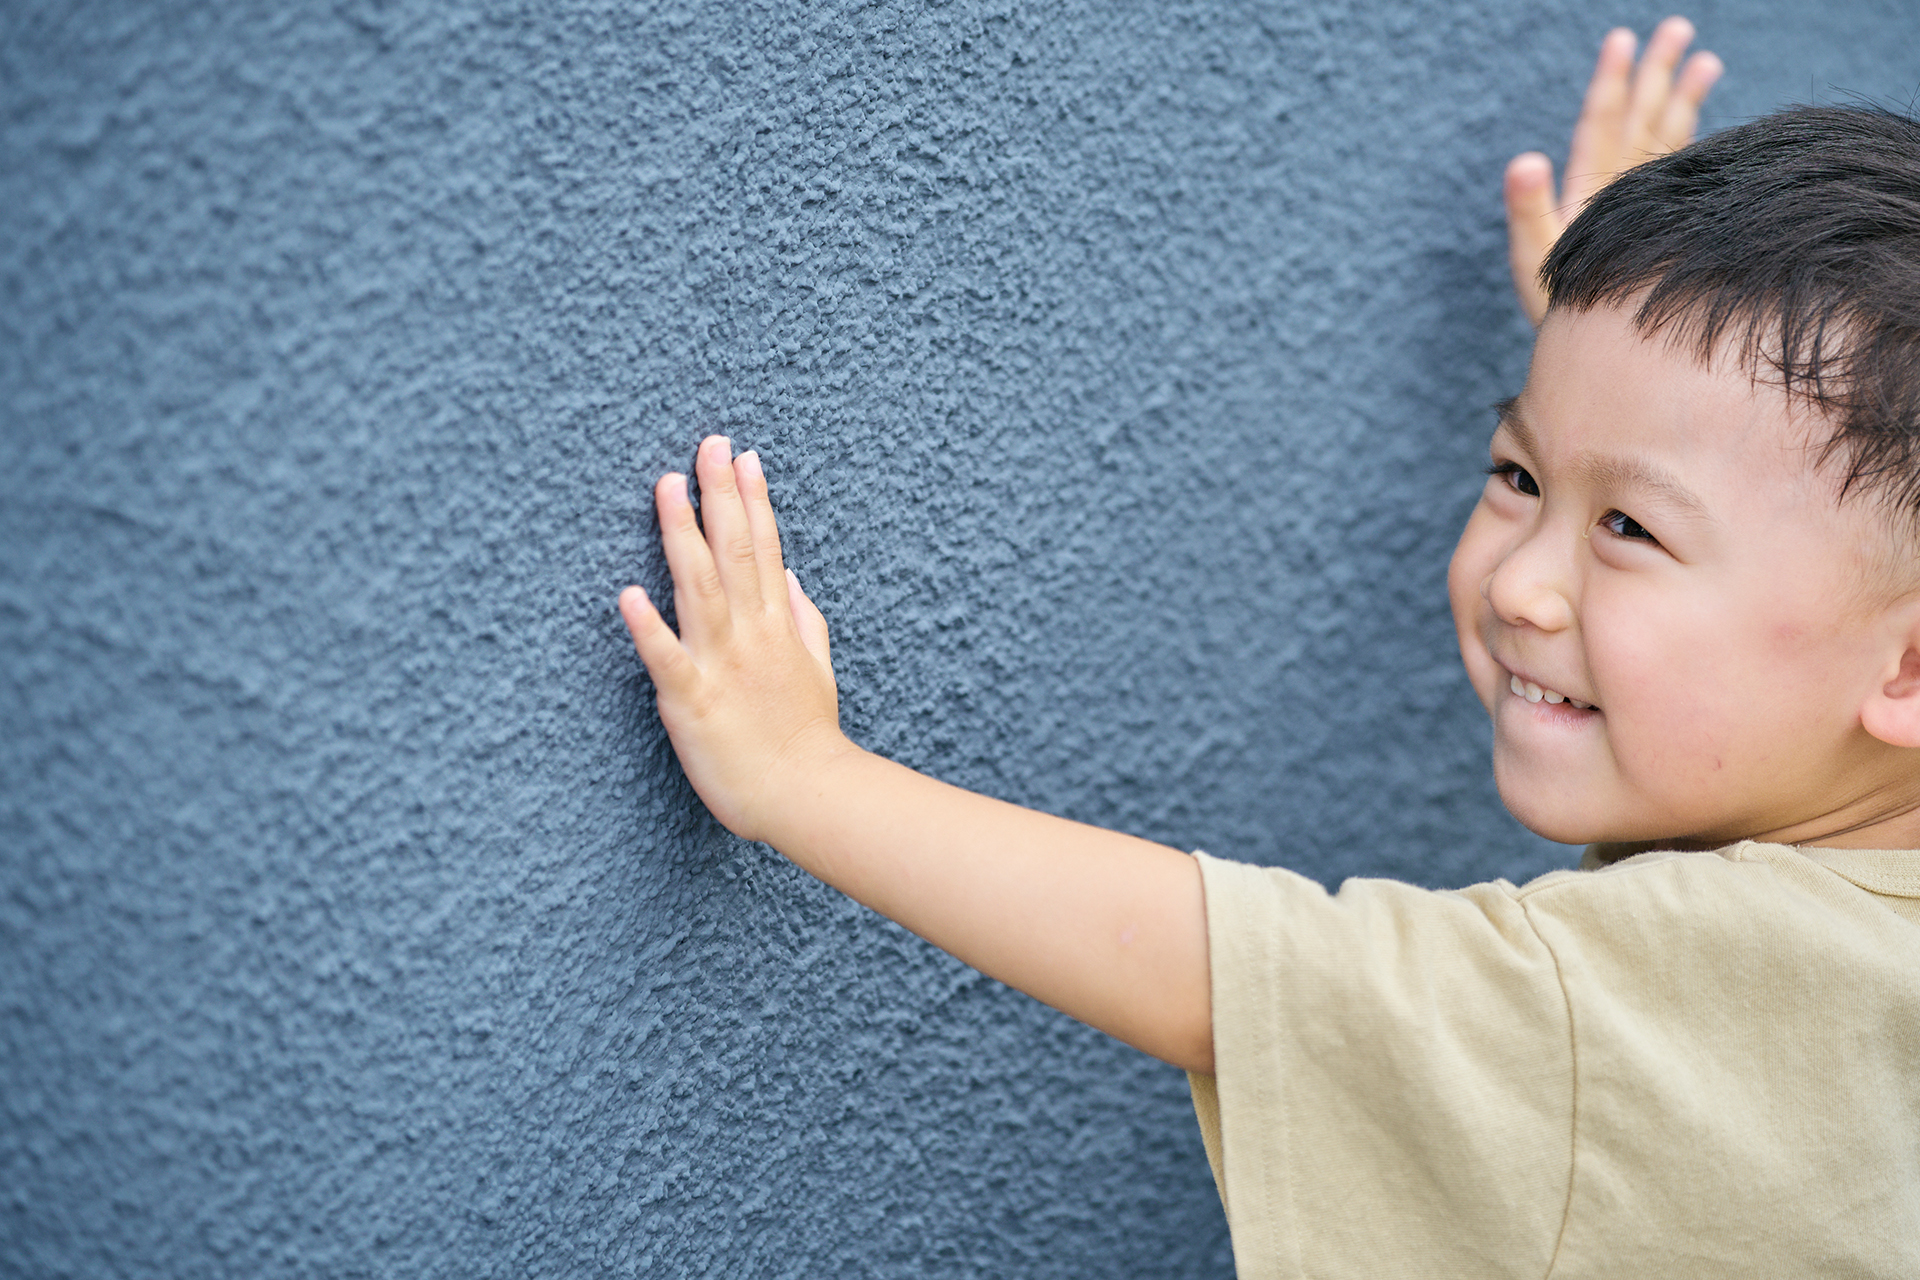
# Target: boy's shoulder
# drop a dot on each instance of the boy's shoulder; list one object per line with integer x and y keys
{"x": 1887, "y": 873}
{"x": 1610, "y": 1072}
{"x": 1667, "y": 920}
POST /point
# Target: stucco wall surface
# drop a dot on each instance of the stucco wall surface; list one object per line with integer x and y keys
{"x": 1122, "y": 373}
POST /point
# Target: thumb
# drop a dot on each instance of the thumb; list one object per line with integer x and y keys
{"x": 810, "y": 621}
{"x": 1533, "y": 224}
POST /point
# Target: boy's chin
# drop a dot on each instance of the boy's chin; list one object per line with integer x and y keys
{"x": 1552, "y": 814}
{"x": 1570, "y": 826}
{"x": 1559, "y": 830}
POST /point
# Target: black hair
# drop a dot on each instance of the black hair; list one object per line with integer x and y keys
{"x": 1795, "y": 239}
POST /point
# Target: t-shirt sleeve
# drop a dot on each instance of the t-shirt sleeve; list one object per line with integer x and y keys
{"x": 1393, "y": 1078}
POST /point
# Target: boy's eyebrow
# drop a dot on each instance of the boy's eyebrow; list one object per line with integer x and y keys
{"x": 1605, "y": 472}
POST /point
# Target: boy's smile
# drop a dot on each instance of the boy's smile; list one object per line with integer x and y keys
{"x": 1675, "y": 622}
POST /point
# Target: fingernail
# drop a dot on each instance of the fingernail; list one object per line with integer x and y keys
{"x": 750, "y": 463}
{"x": 720, "y": 444}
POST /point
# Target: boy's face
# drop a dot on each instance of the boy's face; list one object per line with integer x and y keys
{"x": 1657, "y": 542}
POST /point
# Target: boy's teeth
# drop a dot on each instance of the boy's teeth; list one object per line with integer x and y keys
{"x": 1534, "y": 693}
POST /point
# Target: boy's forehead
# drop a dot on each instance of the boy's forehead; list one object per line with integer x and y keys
{"x": 1638, "y": 415}
{"x": 1597, "y": 381}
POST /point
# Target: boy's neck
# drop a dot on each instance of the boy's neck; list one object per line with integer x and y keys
{"x": 1899, "y": 829}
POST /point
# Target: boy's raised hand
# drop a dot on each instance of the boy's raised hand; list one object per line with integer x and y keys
{"x": 1106, "y": 927}
{"x": 746, "y": 689}
{"x": 1630, "y": 114}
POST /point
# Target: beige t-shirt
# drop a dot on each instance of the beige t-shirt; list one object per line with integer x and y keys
{"x": 1682, "y": 1064}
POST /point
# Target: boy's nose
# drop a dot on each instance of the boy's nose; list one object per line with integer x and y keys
{"x": 1529, "y": 588}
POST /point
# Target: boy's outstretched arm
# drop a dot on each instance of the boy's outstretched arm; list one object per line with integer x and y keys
{"x": 1630, "y": 114}
{"x": 1106, "y": 927}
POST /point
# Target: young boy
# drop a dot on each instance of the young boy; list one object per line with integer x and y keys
{"x": 1690, "y": 600}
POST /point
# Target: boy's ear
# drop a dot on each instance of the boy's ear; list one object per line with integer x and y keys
{"x": 1892, "y": 712}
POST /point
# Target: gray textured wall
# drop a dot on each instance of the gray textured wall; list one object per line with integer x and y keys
{"x": 1121, "y": 373}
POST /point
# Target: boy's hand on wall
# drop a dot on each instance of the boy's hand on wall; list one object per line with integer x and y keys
{"x": 1630, "y": 114}
{"x": 746, "y": 689}
{"x": 1107, "y": 927}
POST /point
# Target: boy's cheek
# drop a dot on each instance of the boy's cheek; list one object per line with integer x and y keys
{"x": 1465, "y": 573}
{"x": 1462, "y": 587}
{"x": 1483, "y": 673}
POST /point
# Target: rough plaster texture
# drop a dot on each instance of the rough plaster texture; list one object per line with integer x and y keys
{"x": 1121, "y": 371}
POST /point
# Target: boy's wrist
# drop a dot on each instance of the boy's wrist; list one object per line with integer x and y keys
{"x": 808, "y": 782}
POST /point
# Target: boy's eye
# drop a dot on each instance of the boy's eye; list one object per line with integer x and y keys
{"x": 1622, "y": 525}
{"x": 1517, "y": 477}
